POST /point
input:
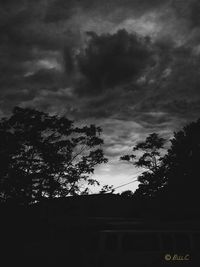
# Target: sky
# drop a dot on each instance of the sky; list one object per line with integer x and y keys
{"x": 129, "y": 66}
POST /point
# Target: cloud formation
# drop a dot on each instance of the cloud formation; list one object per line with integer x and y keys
{"x": 52, "y": 45}
{"x": 114, "y": 62}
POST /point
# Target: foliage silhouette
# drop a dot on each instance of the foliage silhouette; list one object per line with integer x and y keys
{"x": 182, "y": 164}
{"x": 148, "y": 156}
{"x": 46, "y": 156}
{"x": 173, "y": 177}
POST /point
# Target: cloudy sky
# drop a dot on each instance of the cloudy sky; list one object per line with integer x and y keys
{"x": 129, "y": 66}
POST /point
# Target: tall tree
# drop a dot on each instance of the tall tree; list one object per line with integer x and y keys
{"x": 182, "y": 163}
{"x": 148, "y": 157}
{"x": 46, "y": 156}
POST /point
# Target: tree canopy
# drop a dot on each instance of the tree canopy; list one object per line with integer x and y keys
{"x": 173, "y": 176}
{"x": 182, "y": 163}
{"x": 46, "y": 156}
{"x": 147, "y": 156}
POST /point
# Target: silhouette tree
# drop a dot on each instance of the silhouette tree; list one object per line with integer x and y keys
{"x": 182, "y": 164}
{"x": 46, "y": 156}
{"x": 148, "y": 156}
{"x": 152, "y": 184}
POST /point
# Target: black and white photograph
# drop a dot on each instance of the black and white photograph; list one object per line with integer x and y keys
{"x": 100, "y": 133}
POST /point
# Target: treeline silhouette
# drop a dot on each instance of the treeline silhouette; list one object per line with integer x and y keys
{"x": 46, "y": 157}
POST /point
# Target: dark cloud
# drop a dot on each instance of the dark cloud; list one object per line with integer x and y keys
{"x": 166, "y": 97}
{"x": 188, "y": 10}
{"x": 111, "y": 60}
